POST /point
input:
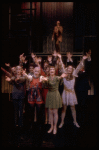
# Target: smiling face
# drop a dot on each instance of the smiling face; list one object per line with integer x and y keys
{"x": 69, "y": 69}
{"x": 52, "y": 71}
{"x": 18, "y": 70}
{"x": 36, "y": 72}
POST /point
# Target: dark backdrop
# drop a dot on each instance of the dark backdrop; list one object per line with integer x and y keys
{"x": 77, "y": 19}
{"x": 52, "y": 12}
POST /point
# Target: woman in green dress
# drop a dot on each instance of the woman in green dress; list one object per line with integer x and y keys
{"x": 53, "y": 98}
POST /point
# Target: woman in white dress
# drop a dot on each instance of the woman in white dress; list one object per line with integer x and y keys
{"x": 68, "y": 95}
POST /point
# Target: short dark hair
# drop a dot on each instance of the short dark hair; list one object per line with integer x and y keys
{"x": 70, "y": 64}
{"x": 46, "y": 61}
{"x": 31, "y": 64}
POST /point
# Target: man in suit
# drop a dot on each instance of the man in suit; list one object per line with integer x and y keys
{"x": 81, "y": 87}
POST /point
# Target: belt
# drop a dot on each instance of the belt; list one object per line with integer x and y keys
{"x": 68, "y": 90}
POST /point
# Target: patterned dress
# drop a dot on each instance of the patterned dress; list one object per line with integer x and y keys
{"x": 35, "y": 92}
{"x": 53, "y": 98}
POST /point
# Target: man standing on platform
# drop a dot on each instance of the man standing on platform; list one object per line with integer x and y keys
{"x": 57, "y": 35}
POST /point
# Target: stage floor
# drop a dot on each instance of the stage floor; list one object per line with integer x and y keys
{"x": 67, "y": 136}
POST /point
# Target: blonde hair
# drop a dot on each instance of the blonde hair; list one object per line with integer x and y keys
{"x": 19, "y": 67}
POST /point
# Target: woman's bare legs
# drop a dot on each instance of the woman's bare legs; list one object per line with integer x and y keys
{"x": 51, "y": 120}
{"x": 55, "y": 114}
{"x": 63, "y": 115}
{"x": 73, "y": 110}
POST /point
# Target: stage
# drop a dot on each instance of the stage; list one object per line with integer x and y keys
{"x": 27, "y": 27}
{"x": 68, "y": 136}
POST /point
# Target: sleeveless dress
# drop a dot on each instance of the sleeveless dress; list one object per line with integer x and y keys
{"x": 53, "y": 98}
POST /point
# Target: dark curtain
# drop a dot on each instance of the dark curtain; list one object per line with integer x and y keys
{"x": 52, "y": 12}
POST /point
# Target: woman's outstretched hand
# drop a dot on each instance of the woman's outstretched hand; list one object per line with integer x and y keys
{"x": 85, "y": 57}
{"x": 64, "y": 75}
{"x": 42, "y": 79}
{"x": 7, "y": 78}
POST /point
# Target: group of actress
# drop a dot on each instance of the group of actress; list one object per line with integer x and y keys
{"x": 40, "y": 86}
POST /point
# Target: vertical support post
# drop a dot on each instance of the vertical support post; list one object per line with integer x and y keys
{"x": 41, "y": 37}
{"x": 9, "y": 20}
{"x": 83, "y": 45}
{"x": 30, "y": 27}
{"x": 47, "y": 44}
{"x": 35, "y": 28}
{"x": 9, "y": 91}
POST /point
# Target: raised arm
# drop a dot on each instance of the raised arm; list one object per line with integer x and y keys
{"x": 17, "y": 80}
{"x": 26, "y": 76}
{"x": 6, "y": 72}
{"x": 22, "y": 59}
{"x": 63, "y": 75}
{"x": 81, "y": 64}
{"x": 69, "y": 57}
{"x": 43, "y": 79}
{"x": 33, "y": 56}
{"x": 62, "y": 65}
{"x": 61, "y": 29}
{"x": 53, "y": 34}
{"x": 10, "y": 79}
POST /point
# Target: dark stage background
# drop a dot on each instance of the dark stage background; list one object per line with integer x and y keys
{"x": 36, "y": 21}
{"x": 27, "y": 27}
